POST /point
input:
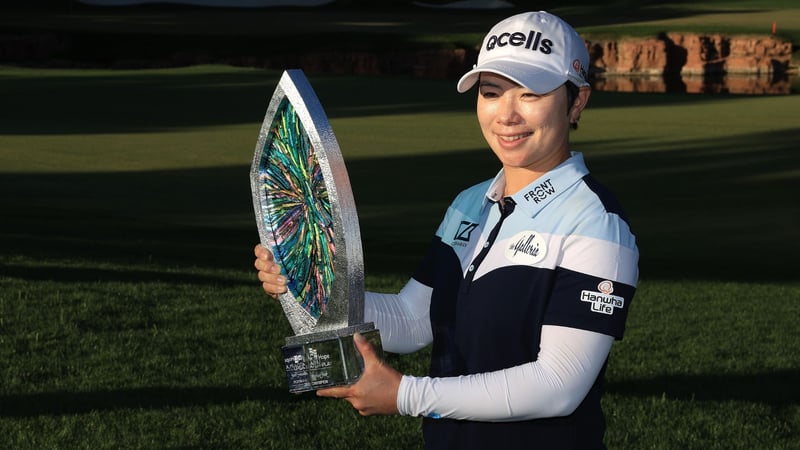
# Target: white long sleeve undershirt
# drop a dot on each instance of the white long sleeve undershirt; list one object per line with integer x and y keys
{"x": 402, "y": 318}
{"x": 554, "y": 385}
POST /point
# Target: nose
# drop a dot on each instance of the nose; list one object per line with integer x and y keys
{"x": 507, "y": 113}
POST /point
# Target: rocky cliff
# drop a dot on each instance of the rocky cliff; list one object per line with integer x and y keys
{"x": 691, "y": 53}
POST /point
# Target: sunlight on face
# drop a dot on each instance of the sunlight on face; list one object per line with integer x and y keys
{"x": 525, "y": 130}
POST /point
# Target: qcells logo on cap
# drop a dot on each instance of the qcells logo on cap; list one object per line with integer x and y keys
{"x": 526, "y": 247}
{"x": 533, "y": 40}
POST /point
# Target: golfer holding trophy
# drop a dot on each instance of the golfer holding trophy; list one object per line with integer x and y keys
{"x": 528, "y": 279}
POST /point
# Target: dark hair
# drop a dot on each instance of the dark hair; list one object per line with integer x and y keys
{"x": 572, "y": 94}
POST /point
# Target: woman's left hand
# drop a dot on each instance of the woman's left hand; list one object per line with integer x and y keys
{"x": 376, "y": 391}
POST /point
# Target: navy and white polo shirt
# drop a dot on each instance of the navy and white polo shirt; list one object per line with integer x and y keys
{"x": 560, "y": 253}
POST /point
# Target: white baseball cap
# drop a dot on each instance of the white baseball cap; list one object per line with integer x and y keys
{"x": 537, "y": 50}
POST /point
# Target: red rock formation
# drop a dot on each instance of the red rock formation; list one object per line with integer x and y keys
{"x": 627, "y": 56}
{"x": 691, "y": 53}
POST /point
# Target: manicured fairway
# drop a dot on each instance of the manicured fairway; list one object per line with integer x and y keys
{"x": 130, "y": 317}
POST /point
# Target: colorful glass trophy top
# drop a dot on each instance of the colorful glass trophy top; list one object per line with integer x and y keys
{"x": 306, "y": 216}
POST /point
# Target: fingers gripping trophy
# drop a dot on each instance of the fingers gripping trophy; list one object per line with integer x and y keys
{"x": 306, "y": 217}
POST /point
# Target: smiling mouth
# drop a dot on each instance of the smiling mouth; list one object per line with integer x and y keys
{"x": 515, "y": 137}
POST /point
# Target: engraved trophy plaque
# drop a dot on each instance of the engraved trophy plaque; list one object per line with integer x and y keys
{"x": 306, "y": 216}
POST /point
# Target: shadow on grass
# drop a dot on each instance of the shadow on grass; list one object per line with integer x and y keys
{"x": 720, "y": 209}
{"x": 717, "y": 209}
{"x": 150, "y": 101}
{"x": 74, "y": 274}
{"x": 153, "y": 101}
{"x": 68, "y": 403}
{"x": 776, "y": 388}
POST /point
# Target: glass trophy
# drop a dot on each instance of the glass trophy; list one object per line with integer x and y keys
{"x": 306, "y": 216}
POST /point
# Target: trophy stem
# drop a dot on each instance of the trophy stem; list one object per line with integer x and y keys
{"x": 330, "y": 358}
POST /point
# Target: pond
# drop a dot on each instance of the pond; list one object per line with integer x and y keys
{"x": 748, "y": 84}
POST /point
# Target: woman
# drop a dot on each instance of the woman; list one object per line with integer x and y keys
{"x": 528, "y": 279}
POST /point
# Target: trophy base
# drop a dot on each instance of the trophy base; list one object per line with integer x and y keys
{"x": 328, "y": 358}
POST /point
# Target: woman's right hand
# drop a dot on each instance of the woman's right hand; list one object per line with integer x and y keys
{"x": 269, "y": 272}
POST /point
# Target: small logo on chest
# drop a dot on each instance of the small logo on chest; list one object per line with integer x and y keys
{"x": 465, "y": 229}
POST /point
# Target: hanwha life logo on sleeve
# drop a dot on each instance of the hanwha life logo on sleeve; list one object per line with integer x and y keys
{"x": 602, "y": 301}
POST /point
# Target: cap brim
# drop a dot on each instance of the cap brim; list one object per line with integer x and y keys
{"x": 536, "y": 78}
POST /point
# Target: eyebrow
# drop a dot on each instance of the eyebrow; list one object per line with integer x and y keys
{"x": 482, "y": 83}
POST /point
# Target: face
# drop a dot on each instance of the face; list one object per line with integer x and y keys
{"x": 528, "y": 132}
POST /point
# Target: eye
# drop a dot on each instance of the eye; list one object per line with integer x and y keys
{"x": 530, "y": 96}
{"x": 489, "y": 90}
{"x": 489, "y": 93}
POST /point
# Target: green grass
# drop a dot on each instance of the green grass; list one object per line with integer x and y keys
{"x": 130, "y": 315}
{"x": 112, "y": 357}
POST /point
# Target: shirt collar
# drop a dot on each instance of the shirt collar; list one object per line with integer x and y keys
{"x": 544, "y": 189}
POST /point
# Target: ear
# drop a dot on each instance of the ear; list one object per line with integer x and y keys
{"x": 580, "y": 102}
